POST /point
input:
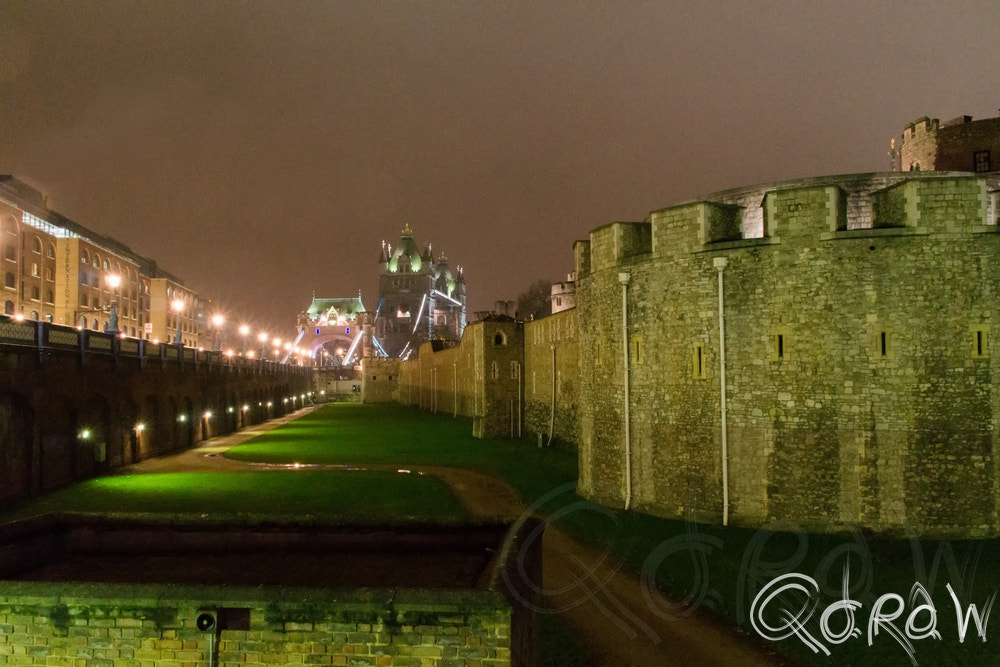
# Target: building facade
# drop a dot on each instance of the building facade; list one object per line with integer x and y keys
{"x": 59, "y": 271}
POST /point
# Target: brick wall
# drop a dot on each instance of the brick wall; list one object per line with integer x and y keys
{"x": 111, "y": 625}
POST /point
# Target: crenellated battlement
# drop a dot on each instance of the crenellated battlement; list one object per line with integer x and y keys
{"x": 803, "y": 212}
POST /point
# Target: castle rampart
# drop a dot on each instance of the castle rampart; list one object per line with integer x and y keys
{"x": 859, "y": 388}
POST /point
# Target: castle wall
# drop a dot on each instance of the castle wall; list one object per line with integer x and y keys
{"x": 379, "y": 379}
{"x": 859, "y": 379}
{"x": 928, "y": 144}
{"x": 552, "y": 342}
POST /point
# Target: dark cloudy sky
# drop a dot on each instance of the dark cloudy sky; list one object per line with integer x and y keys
{"x": 263, "y": 150}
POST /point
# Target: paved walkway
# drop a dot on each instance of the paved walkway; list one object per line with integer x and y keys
{"x": 603, "y": 604}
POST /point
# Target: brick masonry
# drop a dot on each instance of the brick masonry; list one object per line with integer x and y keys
{"x": 116, "y": 625}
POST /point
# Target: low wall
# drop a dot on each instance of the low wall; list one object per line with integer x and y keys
{"x": 108, "y": 622}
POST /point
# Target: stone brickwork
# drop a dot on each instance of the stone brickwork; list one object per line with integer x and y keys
{"x": 379, "y": 379}
{"x": 480, "y": 378}
{"x": 551, "y": 343}
{"x": 858, "y": 316}
{"x": 927, "y": 144}
{"x": 119, "y": 625}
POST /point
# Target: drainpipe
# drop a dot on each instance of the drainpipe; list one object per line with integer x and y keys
{"x": 720, "y": 264}
{"x": 552, "y": 410}
{"x": 454, "y": 382}
{"x": 624, "y": 278}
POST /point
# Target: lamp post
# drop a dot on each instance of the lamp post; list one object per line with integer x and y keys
{"x": 217, "y": 320}
{"x": 244, "y": 330}
{"x": 262, "y": 337}
{"x": 113, "y": 282}
{"x": 178, "y": 306}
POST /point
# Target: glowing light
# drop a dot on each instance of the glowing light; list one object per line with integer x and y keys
{"x": 139, "y": 428}
{"x": 249, "y": 354}
{"x": 277, "y": 342}
{"x": 231, "y": 409}
{"x": 208, "y": 414}
{"x": 262, "y": 337}
{"x": 230, "y": 353}
{"x": 156, "y": 341}
{"x": 245, "y": 408}
{"x": 85, "y": 434}
{"x": 217, "y": 320}
{"x": 113, "y": 280}
{"x": 182, "y": 418}
{"x": 244, "y": 330}
{"x": 19, "y": 317}
{"x": 177, "y": 305}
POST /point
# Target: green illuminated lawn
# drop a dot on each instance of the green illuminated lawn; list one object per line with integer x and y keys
{"x": 397, "y": 435}
{"x": 365, "y": 495}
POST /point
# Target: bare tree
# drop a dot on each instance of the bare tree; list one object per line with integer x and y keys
{"x": 536, "y": 301}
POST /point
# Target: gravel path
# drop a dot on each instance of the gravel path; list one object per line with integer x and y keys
{"x": 603, "y": 604}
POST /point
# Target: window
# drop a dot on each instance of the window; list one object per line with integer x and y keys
{"x": 636, "y": 350}
{"x": 36, "y": 294}
{"x": 48, "y": 273}
{"x": 494, "y": 371}
{"x": 8, "y": 308}
{"x": 84, "y": 257}
{"x": 698, "y": 361}
{"x": 50, "y": 296}
{"x": 96, "y": 261}
{"x": 35, "y": 271}
{"x": 515, "y": 370}
{"x": 36, "y": 246}
{"x": 980, "y": 340}
{"x": 9, "y": 280}
{"x": 34, "y": 315}
{"x": 10, "y": 252}
{"x": 83, "y": 300}
{"x": 981, "y": 161}
{"x": 779, "y": 344}
{"x": 499, "y": 339}
{"x": 884, "y": 345}
{"x": 50, "y": 251}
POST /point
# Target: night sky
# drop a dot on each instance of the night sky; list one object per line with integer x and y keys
{"x": 263, "y": 150}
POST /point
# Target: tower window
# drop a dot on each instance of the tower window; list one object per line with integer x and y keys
{"x": 980, "y": 340}
{"x": 698, "y": 361}
{"x": 981, "y": 161}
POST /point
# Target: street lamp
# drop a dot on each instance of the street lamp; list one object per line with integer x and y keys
{"x": 113, "y": 282}
{"x": 262, "y": 337}
{"x": 244, "y": 330}
{"x": 178, "y": 306}
{"x": 217, "y": 320}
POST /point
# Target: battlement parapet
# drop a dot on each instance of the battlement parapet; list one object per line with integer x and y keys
{"x": 803, "y": 212}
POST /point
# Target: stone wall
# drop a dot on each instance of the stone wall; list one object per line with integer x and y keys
{"x": 480, "y": 378}
{"x": 551, "y": 342}
{"x": 379, "y": 380}
{"x": 951, "y": 146}
{"x": 118, "y": 625}
{"x": 859, "y": 375}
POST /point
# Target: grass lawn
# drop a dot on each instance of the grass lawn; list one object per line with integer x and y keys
{"x": 362, "y": 495}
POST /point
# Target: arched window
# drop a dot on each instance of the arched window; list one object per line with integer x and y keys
{"x": 106, "y": 265}
{"x": 83, "y": 322}
{"x": 84, "y": 256}
{"x": 10, "y": 225}
{"x": 499, "y": 339}
{"x": 96, "y": 260}
{"x": 8, "y": 308}
{"x": 9, "y": 280}
{"x": 50, "y": 251}
{"x": 34, "y": 314}
{"x": 48, "y": 317}
{"x": 36, "y": 245}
